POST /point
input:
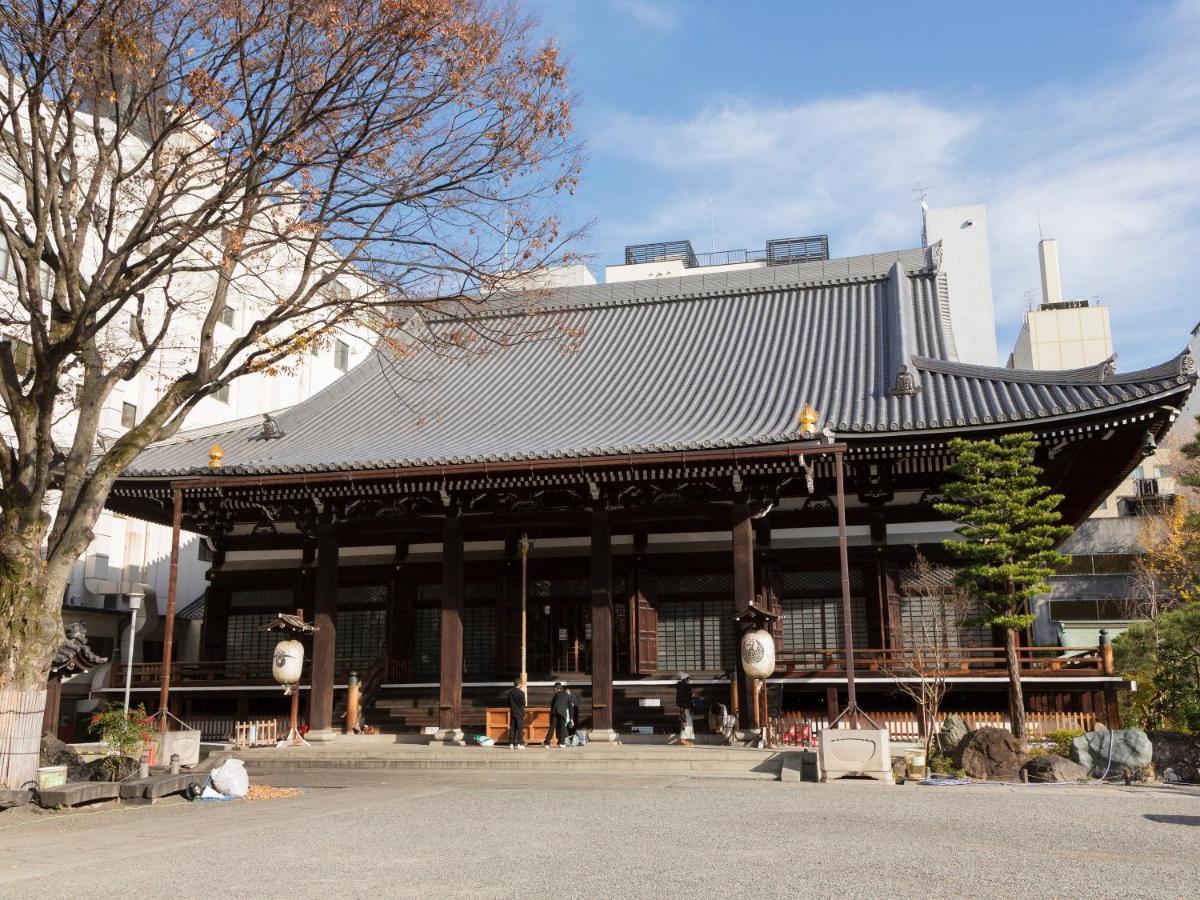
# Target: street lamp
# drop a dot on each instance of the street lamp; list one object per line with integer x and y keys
{"x": 135, "y": 603}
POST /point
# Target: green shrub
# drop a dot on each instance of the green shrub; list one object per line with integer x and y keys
{"x": 124, "y": 732}
{"x": 944, "y": 765}
{"x": 1062, "y": 739}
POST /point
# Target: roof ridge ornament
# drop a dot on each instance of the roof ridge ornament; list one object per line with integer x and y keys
{"x": 216, "y": 456}
{"x": 270, "y": 428}
{"x": 1187, "y": 362}
{"x": 906, "y": 383}
{"x": 1108, "y": 368}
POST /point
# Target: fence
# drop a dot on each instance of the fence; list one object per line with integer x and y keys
{"x": 904, "y": 726}
{"x": 262, "y": 733}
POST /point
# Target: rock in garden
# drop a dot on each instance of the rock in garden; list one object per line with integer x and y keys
{"x": 1131, "y": 749}
{"x": 1176, "y": 752}
{"x": 1045, "y": 769}
{"x": 992, "y": 754}
{"x": 954, "y": 730}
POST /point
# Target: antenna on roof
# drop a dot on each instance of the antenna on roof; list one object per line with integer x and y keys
{"x": 921, "y": 196}
{"x": 1041, "y": 237}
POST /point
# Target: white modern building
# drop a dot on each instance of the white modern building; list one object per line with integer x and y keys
{"x": 962, "y": 232}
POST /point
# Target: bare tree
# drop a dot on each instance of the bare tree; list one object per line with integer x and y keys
{"x": 927, "y": 644}
{"x": 328, "y": 165}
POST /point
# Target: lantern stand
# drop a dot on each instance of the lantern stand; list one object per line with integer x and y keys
{"x": 757, "y": 657}
{"x": 281, "y": 658}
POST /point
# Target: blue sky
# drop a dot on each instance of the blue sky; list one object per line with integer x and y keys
{"x": 801, "y": 118}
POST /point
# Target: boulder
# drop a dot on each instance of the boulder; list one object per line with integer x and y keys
{"x": 991, "y": 754}
{"x": 1130, "y": 748}
{"x": 1049, "y": 768}
{"x": 1179, "y": 753}
{"x": 954, "y": 731}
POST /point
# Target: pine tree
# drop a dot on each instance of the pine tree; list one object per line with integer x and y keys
{"x": 1009, "y": 525}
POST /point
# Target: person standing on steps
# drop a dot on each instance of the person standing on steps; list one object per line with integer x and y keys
{"x": 516, "y": 716}
{"x": 572, "y": 710}
{"x": 560, "y": 714}
{"x": 683, "y": 699}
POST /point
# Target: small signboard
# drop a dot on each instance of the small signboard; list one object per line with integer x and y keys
{"x": 562, "y": 634}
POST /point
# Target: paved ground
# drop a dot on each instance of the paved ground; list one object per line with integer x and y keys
{"x": 507, "y": 834}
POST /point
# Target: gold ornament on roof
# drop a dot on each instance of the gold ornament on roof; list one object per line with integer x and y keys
{"x": 215, "y": 456}
{"x": 808, "y": 421}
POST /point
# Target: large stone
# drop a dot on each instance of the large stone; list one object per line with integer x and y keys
{"x": 1129, "y": 748}
{"x": 1177, "y": 752}
{"x": 1049, "y": 768}
{"x": 992, "y": 754}
{"x": 954, "y": 732}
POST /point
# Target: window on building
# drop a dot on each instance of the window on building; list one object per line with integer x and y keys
{"x": 361, "y": 622}
{"x": 222, "y": 393}
{"x": 341, "y": 356}
{"x": 8, "y": 271}
{"x": 695, "y": 634}
{"x": 128, "y": 415}
{"x": 426, "y": 642}
{"x": 203, "y": 551}
{"x": 228, "y": 315}
{"x": 479, "y": 640}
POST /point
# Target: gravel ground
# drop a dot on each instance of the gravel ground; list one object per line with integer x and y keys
{"x": 505, "y": 834}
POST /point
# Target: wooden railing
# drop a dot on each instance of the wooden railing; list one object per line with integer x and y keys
{"x": 903, "y": 725}
{"x": 1066, "y": 661}
{"x": 227, "y": 671}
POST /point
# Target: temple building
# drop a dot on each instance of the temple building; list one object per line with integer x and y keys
{"x": 651, "y": 459}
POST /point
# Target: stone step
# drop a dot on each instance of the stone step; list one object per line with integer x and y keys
{"x": 75, "y": 793}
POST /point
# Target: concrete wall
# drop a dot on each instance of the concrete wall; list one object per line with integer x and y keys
{"x": 1063, "y": 339}
{"x": 963, "y": 233}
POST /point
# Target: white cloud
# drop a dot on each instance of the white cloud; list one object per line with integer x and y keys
{"x": 659, "y": 15}
{"x": 1113, "y": 166}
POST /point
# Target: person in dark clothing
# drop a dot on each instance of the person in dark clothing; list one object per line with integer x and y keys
{"x": 560, "y": 714}
{"x": 516, "y": 716}
{"x": 572, "y": 709}
{"x": 683, "y": 699}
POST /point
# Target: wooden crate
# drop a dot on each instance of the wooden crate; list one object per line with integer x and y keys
{"x": 537, "y": 723}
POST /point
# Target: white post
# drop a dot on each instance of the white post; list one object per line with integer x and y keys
{"x": 135, "y": 603}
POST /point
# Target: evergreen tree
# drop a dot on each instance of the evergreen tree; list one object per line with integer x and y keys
{"x": 1009, "y": 525}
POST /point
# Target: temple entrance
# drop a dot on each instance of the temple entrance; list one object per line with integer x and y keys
{"x": 560, "y": 628}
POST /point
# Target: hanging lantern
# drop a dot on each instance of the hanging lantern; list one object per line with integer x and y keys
{"x": 758, "y": 653}
{"x": 287, "y": 662}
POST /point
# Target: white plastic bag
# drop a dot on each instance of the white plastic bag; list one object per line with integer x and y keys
{"x": 230, "y": 778}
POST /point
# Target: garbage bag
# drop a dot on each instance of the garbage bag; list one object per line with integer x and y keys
{"x": 484, "y": 741}
{"x": 230, "y": 778}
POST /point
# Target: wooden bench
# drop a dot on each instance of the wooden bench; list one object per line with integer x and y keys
{"x": 537, "y": 723}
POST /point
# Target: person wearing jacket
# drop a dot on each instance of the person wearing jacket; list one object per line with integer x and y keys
{"x": 683, "y": 699}
{"x": 516, "y": 716}
{"x": 560, "y": 714}
{"x": 572, "y": 710}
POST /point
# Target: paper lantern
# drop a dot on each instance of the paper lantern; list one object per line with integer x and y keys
{"x": 287, "y": 662}
{"x": 758, "y": 654}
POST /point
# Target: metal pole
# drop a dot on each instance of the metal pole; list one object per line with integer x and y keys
{"x": 844, "y": 558}
{"x": 524, "y": 612}
{"x": 133, "y": 611}
{"x": 164, "y": 689}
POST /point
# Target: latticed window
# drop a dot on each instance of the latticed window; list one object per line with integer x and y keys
{"x": 427, "y": 648}
{"x": 816, "y": 623}
{"x": 812, "y": 609}
{"x": 361, "y": 621}
{"x": 243, "y": 640}
{"x": 479, "y": 640}
{"x": 695, "y": 634}
{"x": 931, "y": 621}
{"x": 248, "y": 611}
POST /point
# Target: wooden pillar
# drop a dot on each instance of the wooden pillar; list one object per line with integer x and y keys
{"x": 320, "y": 700}
{"x": 602, "y": 628}
{"x": 831, "y": 703}
{"x": 53, "y": 704}
{"x": 164, "y": 689}
{"x": 450, "y": 672}
{"x": 742, "y": 528}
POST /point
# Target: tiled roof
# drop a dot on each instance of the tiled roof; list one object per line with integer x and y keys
{"x": 700, "y": 362}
